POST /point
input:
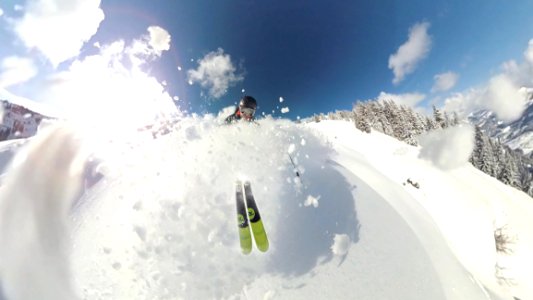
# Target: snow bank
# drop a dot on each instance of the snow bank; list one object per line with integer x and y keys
{"x": 170, "y": 224}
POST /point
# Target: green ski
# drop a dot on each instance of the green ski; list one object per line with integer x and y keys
{"x": 256, "y": 223}
{"x": 245, "y": 236}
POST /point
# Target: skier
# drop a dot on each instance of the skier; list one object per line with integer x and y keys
{"x": 245, "y": 110}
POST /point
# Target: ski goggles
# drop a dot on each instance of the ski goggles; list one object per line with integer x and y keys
{"x": 246, "y": 111}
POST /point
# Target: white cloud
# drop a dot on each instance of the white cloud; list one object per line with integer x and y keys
{"x": 15, "y": 70}
{"x": 465, "y": 102}
{"x": 408, "y": 99}
{"x": 215, "y": 72}
{"x": 284, "y": 110}
{"x": 448, "y": 148}
{"x": 500, "y": 95}
{"x": 59, "y": 28}
{"x": 444, "y": 81}
{"x": 149, "y": 46}
{"x": 417, "y": 47}
{"x": 504, "y": 94}
{"x": 528, "y": 54}
{"x": 1, "y": 12}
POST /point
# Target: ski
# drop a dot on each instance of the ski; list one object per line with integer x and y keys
{"x": 254, "y": 217}
{"x": 245, "y": 236}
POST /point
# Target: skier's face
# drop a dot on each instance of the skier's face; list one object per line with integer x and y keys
{"x": 247, "y": 113}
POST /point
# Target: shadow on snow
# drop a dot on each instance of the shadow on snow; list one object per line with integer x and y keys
{"x": 305, "y": 234}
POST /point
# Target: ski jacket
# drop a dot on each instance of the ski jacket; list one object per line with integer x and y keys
{"x": 236, "y": 116}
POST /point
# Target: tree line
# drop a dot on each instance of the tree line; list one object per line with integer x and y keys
{"x": 491, "y": 156}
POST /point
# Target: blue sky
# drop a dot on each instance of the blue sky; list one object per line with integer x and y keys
{"x": 318, "y": 55}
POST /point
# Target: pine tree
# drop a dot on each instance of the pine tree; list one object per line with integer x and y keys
{"x": 482, "y": 156}
{"x": 392, "y": 113}
{"x": 439, "y": 119}
{"x": 382, "y": 122}
{"x": 455, "y": 119}
{"x": 498, "y": 152}
{"x": 508, "y": 173}
{"x": 430, "y": 124}
{"x": 406, "y": 130}
{"x": 361, "y": 119}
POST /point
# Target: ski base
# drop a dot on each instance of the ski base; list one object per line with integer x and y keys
{"x": 245, "y": 237}
{"x": 258, "y": 230}
{"x": 248, "y": 216}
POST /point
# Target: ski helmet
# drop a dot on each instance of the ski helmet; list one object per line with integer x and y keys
{"x": 248, "y": 102}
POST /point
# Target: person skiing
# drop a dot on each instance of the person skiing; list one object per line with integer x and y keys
{"x": 245, "y": 110}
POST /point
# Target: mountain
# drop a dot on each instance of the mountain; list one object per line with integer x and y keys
{"x": 369, "y": 217}
{"x": 20, "y": 117}
{"x": 517, "y": 134}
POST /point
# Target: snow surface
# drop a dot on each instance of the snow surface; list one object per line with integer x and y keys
{"x": 161, "y": 224}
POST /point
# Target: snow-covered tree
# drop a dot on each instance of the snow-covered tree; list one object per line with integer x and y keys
{"x": 361, "y": 118}
{"x": 483, "y": 156}
{"x": 455, "y": 119}
{"x": 509, "y": 172}
{"x": 438, "y": 117}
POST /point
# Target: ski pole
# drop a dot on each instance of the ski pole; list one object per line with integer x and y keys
{"x": 296, "y": 169}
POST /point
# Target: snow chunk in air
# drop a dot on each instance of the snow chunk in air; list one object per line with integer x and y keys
{"x": 341, "y": 244}
{"x": 291, "y": 148}
{"x": 448, "y": 148}
{"x": 312, "y": 201}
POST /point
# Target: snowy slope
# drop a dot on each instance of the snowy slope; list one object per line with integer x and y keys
{"x": 161, "y": 225}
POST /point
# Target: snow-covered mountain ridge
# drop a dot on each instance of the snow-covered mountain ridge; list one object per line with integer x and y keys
{"x": 517, "y": 134}
{"x": 161, "y": 225}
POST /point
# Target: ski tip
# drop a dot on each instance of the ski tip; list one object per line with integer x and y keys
{"x": 263, "y": 248}
{"x": 246, "y": 251}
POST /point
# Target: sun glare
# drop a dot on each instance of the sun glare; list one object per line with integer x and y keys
{"x": 110, "y": 94}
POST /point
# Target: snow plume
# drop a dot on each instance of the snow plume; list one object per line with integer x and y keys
{"x": 185, "y": 239}
{"x": 312, "y": 201}
{"x": 159, "y": 39}
{"x": 417, "y": 47}
{"x": 505, "y": 98}
{"x": 216, "y": 73}
{"x": 112, "y": 89}
{"x": 448, "y": 148}
{"x": 33, "y": 221}
{"x": 58, "y": 28}
{"x": 15, "y": 70}
{"x": 444, "y": 81}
